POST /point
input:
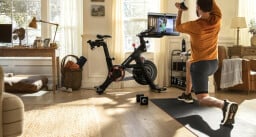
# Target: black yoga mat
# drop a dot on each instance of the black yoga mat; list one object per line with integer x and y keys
{"x": 205, "y": 121}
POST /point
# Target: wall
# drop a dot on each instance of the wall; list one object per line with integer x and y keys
{"x": 97, "y": 25}
{"x": 229, "y": 10}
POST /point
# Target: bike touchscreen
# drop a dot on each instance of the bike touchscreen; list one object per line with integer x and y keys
{"x": 162, "y": 23}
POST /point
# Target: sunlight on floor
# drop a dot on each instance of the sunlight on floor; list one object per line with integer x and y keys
{"x": 119, "y": 93}
{"x": 37, "y": 94}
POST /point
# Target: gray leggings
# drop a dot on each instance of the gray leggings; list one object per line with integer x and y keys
{"x": 200, "y": 71}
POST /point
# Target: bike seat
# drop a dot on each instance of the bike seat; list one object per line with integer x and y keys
{"x": 102, "y": 36}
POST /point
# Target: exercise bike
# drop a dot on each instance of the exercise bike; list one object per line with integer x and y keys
{"x": 143, "y": 71}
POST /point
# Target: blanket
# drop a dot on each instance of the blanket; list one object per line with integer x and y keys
{"x": 231, "y": 73}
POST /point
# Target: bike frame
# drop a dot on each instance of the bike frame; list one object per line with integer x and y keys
{"x": 135, "y": 56}
{"x": 126, "y": 63}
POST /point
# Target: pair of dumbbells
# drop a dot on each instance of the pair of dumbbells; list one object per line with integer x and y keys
{"x": 143, "y": 100}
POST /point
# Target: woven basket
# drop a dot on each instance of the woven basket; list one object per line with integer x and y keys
{"x": 70, "y": 78}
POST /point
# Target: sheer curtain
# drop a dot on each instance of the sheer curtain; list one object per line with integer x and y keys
{"x": 161, "y": 47}
{"x": 161, "y": 54}
{"x": 71, "y": 27}
{"x": 117, "y": 45}
{"x": 247, "y": 9}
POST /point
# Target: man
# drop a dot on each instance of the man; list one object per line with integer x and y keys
{"x": 204, "y": 43}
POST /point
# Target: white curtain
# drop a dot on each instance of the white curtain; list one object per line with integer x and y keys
{"x": 161, "y": 48}
{"x": 117, "y": 46}
{"x": 161, "y": 53}
{"x": 246, "y": 9}
{"x": 71, "y": 27}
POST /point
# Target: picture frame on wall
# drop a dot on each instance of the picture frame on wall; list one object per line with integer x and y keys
{"x": 97, "y": 0}
{"x": 98, "y": 10}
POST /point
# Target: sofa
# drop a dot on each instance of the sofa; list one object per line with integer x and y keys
{"x": 12, "y": 112}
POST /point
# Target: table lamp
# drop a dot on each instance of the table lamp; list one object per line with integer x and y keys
{"x": 33, "y": 24}
{"x": 237, "y": 23}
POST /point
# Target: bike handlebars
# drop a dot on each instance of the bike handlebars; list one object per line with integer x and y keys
{"x": 102, "y": 36}
{"x": 147, "y": 33}
{"x": 95, "y": 43}
{"x": 99, "y": 41}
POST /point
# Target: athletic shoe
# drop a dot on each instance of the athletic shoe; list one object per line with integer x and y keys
{"x": 186, "y": 98}
{"x": 229, "y": 112}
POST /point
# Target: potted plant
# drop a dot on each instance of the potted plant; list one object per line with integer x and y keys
{"x": 252, "y": 30}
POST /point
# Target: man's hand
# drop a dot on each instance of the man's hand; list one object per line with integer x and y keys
{"x": 181, "y": 6}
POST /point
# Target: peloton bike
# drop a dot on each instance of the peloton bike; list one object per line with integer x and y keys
{"x": 143, "y": 71}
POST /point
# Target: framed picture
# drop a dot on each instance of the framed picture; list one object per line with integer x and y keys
{"x": 34, "y": 44}
{"x": 98, "y": 10}
{"x": 97, "y": 0}
{"x": 46, "y": 42}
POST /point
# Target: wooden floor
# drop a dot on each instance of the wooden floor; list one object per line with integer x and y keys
{"x": 120, "y": 116}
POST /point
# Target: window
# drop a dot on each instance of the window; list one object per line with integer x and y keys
{"x": 55, "y": 11}
{"x": 19, "y": 13}
{"x": 69, "y": 15}
{"x": 66, "y": 13}
{"x": 135, "y": 20}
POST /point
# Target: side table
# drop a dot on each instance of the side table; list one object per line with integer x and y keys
{"x": 33, "y": 52}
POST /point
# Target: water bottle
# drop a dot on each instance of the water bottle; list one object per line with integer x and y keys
{"x": 183, "y": 45}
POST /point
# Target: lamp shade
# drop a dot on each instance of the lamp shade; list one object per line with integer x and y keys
{"x": 33, "y": 23}
{"x": 238, "y": 22}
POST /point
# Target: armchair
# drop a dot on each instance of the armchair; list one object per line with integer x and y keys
{"x": 12, "y": 112}
{"x": 248, "y": 73}
{"x": 253, "y": 74}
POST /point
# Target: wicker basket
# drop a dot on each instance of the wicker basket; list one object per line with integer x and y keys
{"x": 70, "y": 78}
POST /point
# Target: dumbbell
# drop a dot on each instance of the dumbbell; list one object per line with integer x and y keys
{"x": 183, "y": 6}
{"x": 143, "y": 100}
{"x": 138, "y": 96}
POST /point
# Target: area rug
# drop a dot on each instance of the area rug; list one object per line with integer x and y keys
{"x": 205, "y": 121}
{"x": 61, "y": 120}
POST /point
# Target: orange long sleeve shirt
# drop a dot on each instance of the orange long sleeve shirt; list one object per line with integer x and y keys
{"x": 203, "y": 34}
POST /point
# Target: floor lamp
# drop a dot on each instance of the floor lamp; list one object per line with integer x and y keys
{"x": 33, "y": 24}
{"x": 238, "y": 23}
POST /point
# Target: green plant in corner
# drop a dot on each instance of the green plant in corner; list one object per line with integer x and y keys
{"x": 252, "y": 25}
{"x": 252, "y": 30}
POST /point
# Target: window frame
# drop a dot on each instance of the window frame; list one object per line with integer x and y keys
{"x": 128, "y": 40}
{"x": 43, "y": 28}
